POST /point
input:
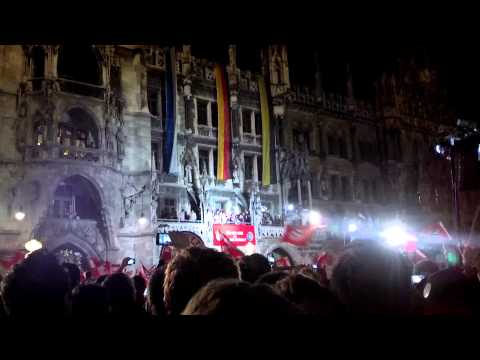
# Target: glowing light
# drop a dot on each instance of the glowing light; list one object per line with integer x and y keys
{"x": 33, "y": 245}
{"x": 142, "y": 220}
{"x": 396, "y": 235}
{"x": 314, "y": 218}
{"x": 352, "y": 227}
{"x": 249, "y": 249}
{"x": 438, "y": 149}
{"x": 20, "y": 215}
{"x": 290, "y": 207}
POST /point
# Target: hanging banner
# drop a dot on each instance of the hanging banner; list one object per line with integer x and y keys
{"x": 170, "y": 146}
{"x": 265, "y": 111}
{"x": 298, "y": 235}
{"x": 236, "y": 234}
{"x": 224, "y": 129}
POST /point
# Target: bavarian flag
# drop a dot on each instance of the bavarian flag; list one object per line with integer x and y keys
{"x": 224, "y": 128}
{"x": 268, "y": 170}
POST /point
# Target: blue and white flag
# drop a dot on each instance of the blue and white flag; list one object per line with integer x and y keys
{"x": 170, "y": 144}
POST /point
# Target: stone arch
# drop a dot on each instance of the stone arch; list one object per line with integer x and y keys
{"x": 79, "y": 118}
{"x": 85, "y": 252}
{"x": 108, "y": 238}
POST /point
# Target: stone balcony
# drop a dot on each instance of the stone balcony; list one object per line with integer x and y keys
{"x": 206, "y": 131}
{"x": 43, "y": 85}
{"x": 56, "y": 152}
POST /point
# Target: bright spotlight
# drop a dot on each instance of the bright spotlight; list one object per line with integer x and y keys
{"x": 396, "y": 235}
{"x": 20, "y": 215}
{"x": 314, "y": 218}
{"x": 352, "y": 227}
{"x": 439, "y": 149}
{"x": 290, "y": 207}
{"x": 33, "y": 245}
{"x": 142, "y": 221}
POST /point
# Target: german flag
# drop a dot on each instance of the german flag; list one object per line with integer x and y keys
{"x": 224, "y": 128}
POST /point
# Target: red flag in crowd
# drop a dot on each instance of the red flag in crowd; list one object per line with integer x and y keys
{"x": 10, "y": 258}
{"x": 282, "y": 262}
{"x": 229, "y": 248}
{"x": 324, "y": 259}
{"x": 298, "y": 235}
{"x": 166, "y": 254}
{"x": 436, "y": 229}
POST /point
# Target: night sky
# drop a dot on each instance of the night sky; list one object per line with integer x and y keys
{"x": 453, "y": 56}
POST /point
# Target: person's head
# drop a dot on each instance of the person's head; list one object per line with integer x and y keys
{"x": 120, "y": 293}
{"x": 89, "y": 300}
{"x": 74, "y": 274}
{"x": 271, "y": 278}
{"x": 155, "y": 292}
{"x": 191, "y": 269}
{"x": 101, "y": 279}
{"x": 37, "y": 287}
{"x": 232, "y": 297}
{"x": 253, "y": 266}
{"x": 308, "y": 295}
{"x": 140, "y": 285}
{"x": 449, "y": 292}
{"x": 372, "y": 279}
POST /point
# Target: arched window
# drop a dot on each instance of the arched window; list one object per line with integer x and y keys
{"x": 39, "y": 132}
{"x": 77, "y": 67}
{"x": 332, "y": 144}
{"x": 79, "y": 63}
{"x": 77, "y": 128}
{"x": 76, "y": 197}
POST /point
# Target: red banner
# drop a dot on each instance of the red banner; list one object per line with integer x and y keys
{"x": 237, "y": 235}
{"x": 298, "y": 235}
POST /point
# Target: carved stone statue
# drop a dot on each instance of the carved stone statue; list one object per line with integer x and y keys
{"x": 108, "y": 138}
{"x": 188, "y": 175}
{"x": 121, "y": 138}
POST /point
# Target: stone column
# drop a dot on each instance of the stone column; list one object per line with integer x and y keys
{"x": 235, "y": 121}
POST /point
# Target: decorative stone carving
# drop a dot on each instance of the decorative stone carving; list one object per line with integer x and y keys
{"x": 121, "y": 138}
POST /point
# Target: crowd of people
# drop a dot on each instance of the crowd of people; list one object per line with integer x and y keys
{"x": 368, "y": 279}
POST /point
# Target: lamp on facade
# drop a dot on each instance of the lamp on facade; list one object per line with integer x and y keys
{"x": 20, "y": 214}
{"x": 33, "y": 245}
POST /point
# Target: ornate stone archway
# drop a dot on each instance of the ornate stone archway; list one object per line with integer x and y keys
{"x": 91, "y": 234}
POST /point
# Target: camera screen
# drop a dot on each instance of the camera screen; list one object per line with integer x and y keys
{"x": 417, "y": 278}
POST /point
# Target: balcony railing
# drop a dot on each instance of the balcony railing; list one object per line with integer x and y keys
{"x": 206, "y": 131}
{"x": 68, "y": 153}
{"x": 80, "y": 88}
{"x": 38, "y": 85}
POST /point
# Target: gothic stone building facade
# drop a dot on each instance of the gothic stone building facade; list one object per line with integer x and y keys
{"x": 83, "y": 132}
